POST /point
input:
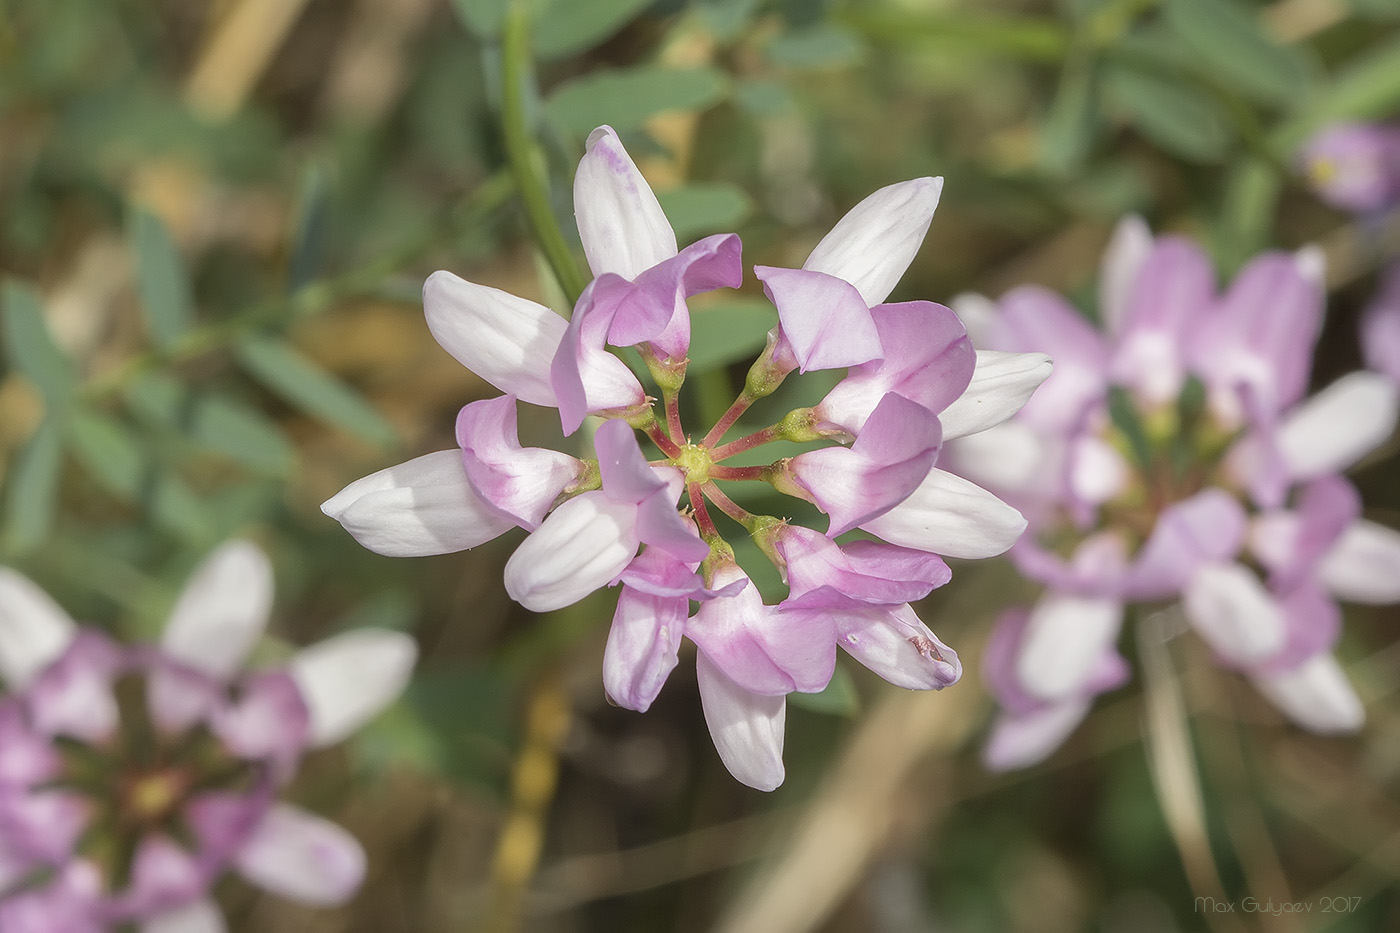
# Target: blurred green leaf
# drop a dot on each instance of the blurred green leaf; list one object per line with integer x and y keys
{"x": 1231, "y": 43}
{"x": 1366, "y": 88}
{"x": 127, "y": 468}
{"x": 569, "y": 26}
{"x": 32, "y": 490}
{"x": 482, "y": 18}
{"x": 625, "y": 99}
{"x": 221, "y": 425}
{"x": 725, "y": 18}
{"x": 308, "y": 246}
{"x": 705, "y": 207}
{"x": 1252, "y": 190}
{"x": 30, "y": 347}
{"x": 427, "y": 729}
{"x": 1174, "y": 115}
{"x": 1068, "y": 131}
{"x": 163, "y": 282}
{"x": 763, "y": 97}
{"x": 304, "y": 384}
{"x": 963, "y": 32}
{"x": 825, "y": 45}
{"x": 729, "y": 331}
{"x": 838, "y": 699}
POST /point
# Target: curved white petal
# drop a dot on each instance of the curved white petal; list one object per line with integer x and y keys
{"x": 222, "y": 610}
{"x": 1022, "y": 741}
{"x": 34, "y": 630}
{"x": 950, "y": 516}
{"x": 1010, "y": 457}
{"x": 1001, "y": 384}
{"x": 583, "y": 545}
{"x": 417, "y": 508}
{"x": 1339, "y": 425}
{"x": 1363, "y": 566}
{"x": 747, "y": 728}
{"x": 1236, "y": 616}
{"x": 876, "y": 241}
{"x": 1316, "y": 695}
{"x": 1122, "y": 261}
{"x": 506, "y": 340}
{"x": 196, "y": 917}
{"x": 622, "y": 226}
{"x": 1066, "y": 638}
{"x": 347, "y": 679}
{"x": 302, "y": 857}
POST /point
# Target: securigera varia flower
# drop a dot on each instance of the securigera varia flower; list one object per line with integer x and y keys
{"x": 912, "y": 381}
{"x": 133, "y": 777}
{"x": 1175, "y": 457}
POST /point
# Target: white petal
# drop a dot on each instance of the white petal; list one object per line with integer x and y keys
{"x": 507, "y": 341}
{"x": 1001, "y": 384}
{"x": 747, "y": 729}
{"x": 1097, "y": 471}
{"x": 303, "y": 857}
{"x": 1122, "y": 260}
{"x": 346, "y": 680}
{"x": 1311, "y": 261}
{"x": 1338, "y": 426}
{"x": 34, "y": 630}
{"x": 1316, "y": 695}
{"x": 1010, "y": 457}
{"x": 878, "y": 238}
{"x": 222, "y": 610}
{"x": 420, "y": 507}
{"x": 1066, "y": 638}
{"x": 1022, "y": 741}
{"x": 583, "y": 545}
{"x": 950, "y": 516}
{"x": 196, "y": 917}
{"x": 1364, "y": 565}
{"x": 1236, "y": 616}
{"x": 621, "y": 224}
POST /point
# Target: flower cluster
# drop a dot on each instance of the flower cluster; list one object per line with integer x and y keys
{"x": 1173, "y": 456}
{"x": 133, "y": 777}
{"x": 912, "y": 382}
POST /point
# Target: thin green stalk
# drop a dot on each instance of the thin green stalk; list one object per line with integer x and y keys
{"x": 522, "y": 153}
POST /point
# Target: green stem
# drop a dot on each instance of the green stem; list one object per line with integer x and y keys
{"x": 522, "y": 153}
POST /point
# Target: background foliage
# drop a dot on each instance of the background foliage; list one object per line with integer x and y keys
{"x": 216, "y": 218}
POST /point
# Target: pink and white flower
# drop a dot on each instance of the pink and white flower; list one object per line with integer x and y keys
{"x": 203, "y": 801}
{"x": 1174, "y": 444}
{"x": 907, "y": 365}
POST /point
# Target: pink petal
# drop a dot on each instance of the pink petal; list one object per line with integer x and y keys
{"x": 824, "y": 320}
{"x": 1174, "y": 287}
{"x": 896, "y": 448}
{"x": 897, "y": 645}
{"x": 643, "y": 646}
{"x": 585, "y": 376}
{"x": 521, "y": 482}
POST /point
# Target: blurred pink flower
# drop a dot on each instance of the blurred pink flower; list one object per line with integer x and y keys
{"x": 1148, "y": 465}
{"x": 1355, "y": 166}
{"x": 202, "y": 800}
{"x": 909, "y": 364}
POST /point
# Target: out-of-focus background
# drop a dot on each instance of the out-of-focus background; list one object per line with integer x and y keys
{"x": 225, "y": 210}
